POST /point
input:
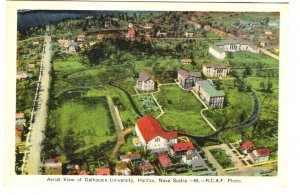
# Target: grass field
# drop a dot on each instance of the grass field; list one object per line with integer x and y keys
{"x": 182, "y": 111}
{"x": 222, "y": 158}
{"x": 90, "y": 121}
{"x": 242, "y": 59}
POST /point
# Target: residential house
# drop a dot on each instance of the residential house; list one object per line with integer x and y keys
{"x": 83, "y": 172}
{"x": 130, "y": 25}
{"x": 122, "y": 169}
{"x": 217, "y": 52}
{"x": 20, "y": 126}
{"x": 20, "y": 115}
{"x": 246, "y": 146}
{"x": 187, "y": 80}
{"x": 186, "y": 61}
{"x": 259, "y": 155}
{"x": 81, "y": 38}
{"x": 211, "y": 96}
{"x": 131, "y": 34}
{"x": 188, "y": 34}
{"x": 100, "y": 36}
{"x": 145, "y": 82}
{"x": 152, "y": 135}
{"x": 21, "y": 75}
{"x": 206, "y": 27}
{"x": 215, "y": 70}
{"x": 164, "y": 160}
{"x": 30, "y": 67}
{"x": 146, "y": 169}
{"x": 35, "y": 43}
{"x": 18, "y": 136}
{"x": 182, "y": 147}
{"x": 161, "y": 34}
{"x": 102, "y": 171}
{"x": 129, "y": 157}
{"x": 147, "y": 26}
{"x": 53, "y": 166}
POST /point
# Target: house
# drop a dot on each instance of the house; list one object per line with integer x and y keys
{"x": 161, "y": 34}
{"x": 100, "y": 36}
{"x": 122, "y": 169}
{"x": 188, "y": 79}
{"x": 186, "y": 61}
{"x": 246, "y": 146}
{"x": 53, "y": 166}
{"x": 20, "y": 126}
{"x": 92, "y": 43}
{"x": 215, "y": 70}
{"x": 20, "y": 115}
{"x": 164, "y": 160}
{"x": 194, "y": 160}
{"x": 147, "y": 26}
{"x": 146, "y": 169}
{"x": 18, "y": 136}
{"x": 102, "y": 171}
{"x": 71, "y": 47}
{"x": 130, "y": 25}
{"x": 80, "y": 37}
{"x": 209, "y": 94}
{"x": 182, "y": 147}
{"x": 217, "y": 52}
{"x": 259, "y": 155}
{"x": 21, "y": 75}
{"x": 152, "y": 135}
{"x": 188, "y": 34}
{"x": 82, "y": 172}
{"x": 129, "y": 157}
{"x": 35, "y": 43}
{"x": 30, "y": 67}
{"x": 206, "y": 27}
{"x": 130, "y": 34}
{"x": 144, "y": 82}
{"x": 199, "y": 164}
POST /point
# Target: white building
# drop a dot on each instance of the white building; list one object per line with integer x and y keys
{"x": 217, "y": 52}
{"x": 259, "y": 155}
{"x": 209, "y": 94}
{"x": 152, "y": 136}
{"x": 144, "y": 82}
{"x": 215, "y": 70}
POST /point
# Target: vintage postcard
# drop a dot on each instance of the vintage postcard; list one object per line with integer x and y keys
{"x": 146, "y": 93}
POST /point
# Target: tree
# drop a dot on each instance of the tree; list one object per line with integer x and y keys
{"x": 71, "y": 144}
{"x": 269, "y": 86}
{"x": 243, "y": 116}
{"x": 262, "y": 86}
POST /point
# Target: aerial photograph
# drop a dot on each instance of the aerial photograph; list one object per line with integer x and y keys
{"x": 147, "y": 93}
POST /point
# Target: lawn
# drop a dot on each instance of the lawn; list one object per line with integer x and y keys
{"x": 182, "y": 111}
{"x": 89, "y": 118}
{"x": 221, "y": 156}
{"x": 242, "y": 59}
{"x": 71, "y": 62}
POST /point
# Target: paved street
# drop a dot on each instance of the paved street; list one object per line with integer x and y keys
{"x": 38, "y": 127}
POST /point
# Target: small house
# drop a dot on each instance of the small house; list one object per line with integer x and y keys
{"x": 146, "y": 169}
{"x": 53, "y": 166}
{"x": 81, "y": 38}
{"x": 182, "y": 147}
{"x": 145, "y": 82}
{"x": 131, "y": 34}
{"x": 186, "y": 61}
{"x": 122, "y": 169}
{"x": 259, "y": 155}
{"x": 130, "y": 157}
{"x": 164, "y": 160}
{"x": 102, "y": 171}
{"x": 18, "y": 136}
{"x": 246, "y": 146}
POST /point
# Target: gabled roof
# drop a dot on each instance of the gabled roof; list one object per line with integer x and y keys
{"x": 145, "y": 166}
{"x": 18, "y": 133}
{"x": 246, "y": 145}
{"x": 164, "y": 160}
{"x": 183, "y": 146}
{"x": 144, "y": 76}
{"x": 151, "y": 128}
{"x": 130, "y": 156}
{"x": 102, "y": 171}
{"x": 20, "y": 114}
{"x": 262, "y": 152}
{"x": 186, "y": 74}
{"x": 20, "y": 126}
{"x": 131, "y": 32}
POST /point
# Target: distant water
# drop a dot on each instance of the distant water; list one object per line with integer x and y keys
{"x": 33, "y": 18}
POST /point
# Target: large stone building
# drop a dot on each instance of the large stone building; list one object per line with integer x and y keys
{"x": 209, "y": 94}
{"x": 144, "y": 82}
{"x": 187, "y": 80}
{"x": 152, "y": 135}
{"x": 215, "y": 70}
{"x": 218, "y": 50}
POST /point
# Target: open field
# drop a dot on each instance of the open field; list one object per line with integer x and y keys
{"x": 221, "y": 156}
{"x": 89, "y": 118}
{"x": 252, "y": 60}
{"x": 182, "y": 111}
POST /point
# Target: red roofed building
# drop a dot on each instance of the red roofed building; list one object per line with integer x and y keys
{"x": 130, "y": 34}
{"x": 246, "y": 146}
{"x": 102, "y": 171}
{"x": 19, "y": 115}
{"x": 259, "y": 155}
{"x": 18, "y": 136}
{"x": 183, "y": 147}
{"x": 152, "y": 135}
{"x": 164, "y": 160}
{"x": 82, "y": 172}
{"x": 80, "y": 37}
{"x": 146, "y": 169}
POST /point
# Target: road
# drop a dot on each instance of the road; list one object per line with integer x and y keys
{"x": 38, "y": 127}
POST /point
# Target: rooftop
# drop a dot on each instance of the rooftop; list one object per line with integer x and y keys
{"x": 164, "y": 160}
{"x": 183, "y": 146}
{"x": 145, "y": 166}
{"x": 246, "y": 145}
{"x": 206, "y": 86}
{"x": 151, "y": 128}
{"x": 144, "y": 76}
{"x": 216, "y": 66}
{"x": 186, "y": 74}
{"x": 102, "y": 171}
